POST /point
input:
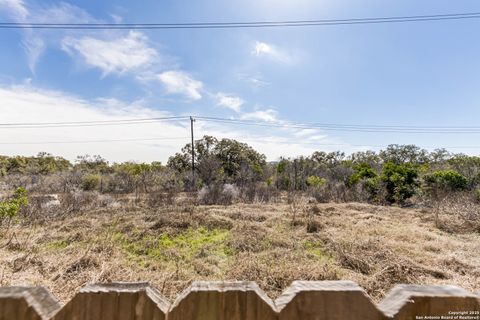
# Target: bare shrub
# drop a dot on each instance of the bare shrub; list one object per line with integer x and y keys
{"x": 330, "y": 192}
{"x": 53, "y": 183}
{"x": 218, "y": 194}
{"x": 259, "y": 192}
{"x": 15, "y": 181}
{"x": 363, "y": 191}
{"x": 294, "y": 199}
{"x": 313, "y": 226}
{"x": 230, "y": 193}
{"x": 42, "y": 206}
{"x": 76, "y": 201}
{"x": 458, "y": 212}
{"x": 105, "y": 201}
{"x": 159, "y": 198}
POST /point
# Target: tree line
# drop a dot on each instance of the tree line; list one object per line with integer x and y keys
{"x": 226, "y": 168}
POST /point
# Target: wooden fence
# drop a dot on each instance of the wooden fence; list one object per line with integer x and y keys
{"x": 306, "y": 300}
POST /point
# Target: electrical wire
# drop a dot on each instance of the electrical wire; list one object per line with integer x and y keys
{"x": 88, "y": 123}
{"x": 252, "y": 24}
{"x": 291, "y": 142}
{"x": 347, "y": 128}
{"x": 95, "y": 141}
{"x": 250, "y": 140}
{"x": 280, "y": 124}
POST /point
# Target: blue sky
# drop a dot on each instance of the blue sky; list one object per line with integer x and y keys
{"x": 424, "y": 74}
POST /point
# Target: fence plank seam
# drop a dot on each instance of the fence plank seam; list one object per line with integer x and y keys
{"x": 238, "y": 300}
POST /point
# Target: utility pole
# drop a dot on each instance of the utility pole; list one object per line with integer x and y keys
{"x": 192, "y": 120}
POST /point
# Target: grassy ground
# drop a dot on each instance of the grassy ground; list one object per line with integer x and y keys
{"x": 270, "y": 244}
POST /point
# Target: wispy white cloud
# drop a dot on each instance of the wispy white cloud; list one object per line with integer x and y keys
{"x": 34, "y": 47}
{"x": 275, "y": 142}
{"x": 229, "y": 101}
{"x": 15, "y": 8}
{"x": 35, "y": 42}
{"x": 30, "y": 104}
{"x": 119, "y": 55}
{"x": 305, "y": 133}
{"x": 180, "y": 82}
{"x": 255, "y": 81}
{"x": 268, "y": 115}
{"x": 61, "y": 12}
{"x": 112, "y": 52}
{"x": 263, "y": 49}
{"x": 26, "y": 103}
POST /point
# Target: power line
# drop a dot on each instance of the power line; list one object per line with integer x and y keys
{"x": 250, "y": 140}
{"x": 291, "y": 142}
{"x": 93, "y": 121}
{"x": 88, "y": 123}
{"x": 347, "y": 128}
{"x": 94, "y": 141}
{"x": 370, "y": 128}
{"x": 252, "y": 24}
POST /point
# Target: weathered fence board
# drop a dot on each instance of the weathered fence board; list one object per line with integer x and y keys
{"x": 27, "y": 303}
{"x": 305, "y": 300}
{"x": 312, "y": 300}
{"x": 410, "y": 301}
{"x": 116, "y": 301}
{"x": 221, "y": 300}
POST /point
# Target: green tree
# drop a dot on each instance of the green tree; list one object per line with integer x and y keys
{"x": 283, "y": 180}
{"x": 229, "y": 158}
{"x": 233, "y": 154}
{"x": 327, "y": 159}
{"x": 399, "y": 154}
{"x": 400, "y": 181}
{"x": 180, "y": 162}
{"x": 468, "y": 166}
{"x": 362, "y": 171}
{"x": 17, "y": 164}
{"x": 91, "y": 181}
{"x": 9, "y": 208}
{"x": 447, "y": 180}
{"x": 95, "y": 164}
{"x": 369, "y": 157}
{"x": 315, "y": 182}
{"x": 44, "y": 164}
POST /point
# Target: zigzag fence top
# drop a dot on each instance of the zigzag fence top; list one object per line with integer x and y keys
{"x": 306, "y": 300}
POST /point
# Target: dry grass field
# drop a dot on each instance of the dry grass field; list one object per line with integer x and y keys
{"x": 272, "y": 244}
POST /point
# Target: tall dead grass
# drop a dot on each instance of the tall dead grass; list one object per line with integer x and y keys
{"x": 173, "y": 245}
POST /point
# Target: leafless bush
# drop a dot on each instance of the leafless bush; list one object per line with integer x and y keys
{"x": 105, "y": 200}
{"x": 458, "y": 212}
{"x": 48, "y": 184}
{"x": 159, "y": 198}
{"x": 78, "y": 200}
{"x": 322, "y": 194}
{"x": 259, "y": 192}
{"x": 14, "y": 181}
{"x": 41, "y": 206}
{"x": 218, "y": 194}
{"x": 297, "y": 205}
